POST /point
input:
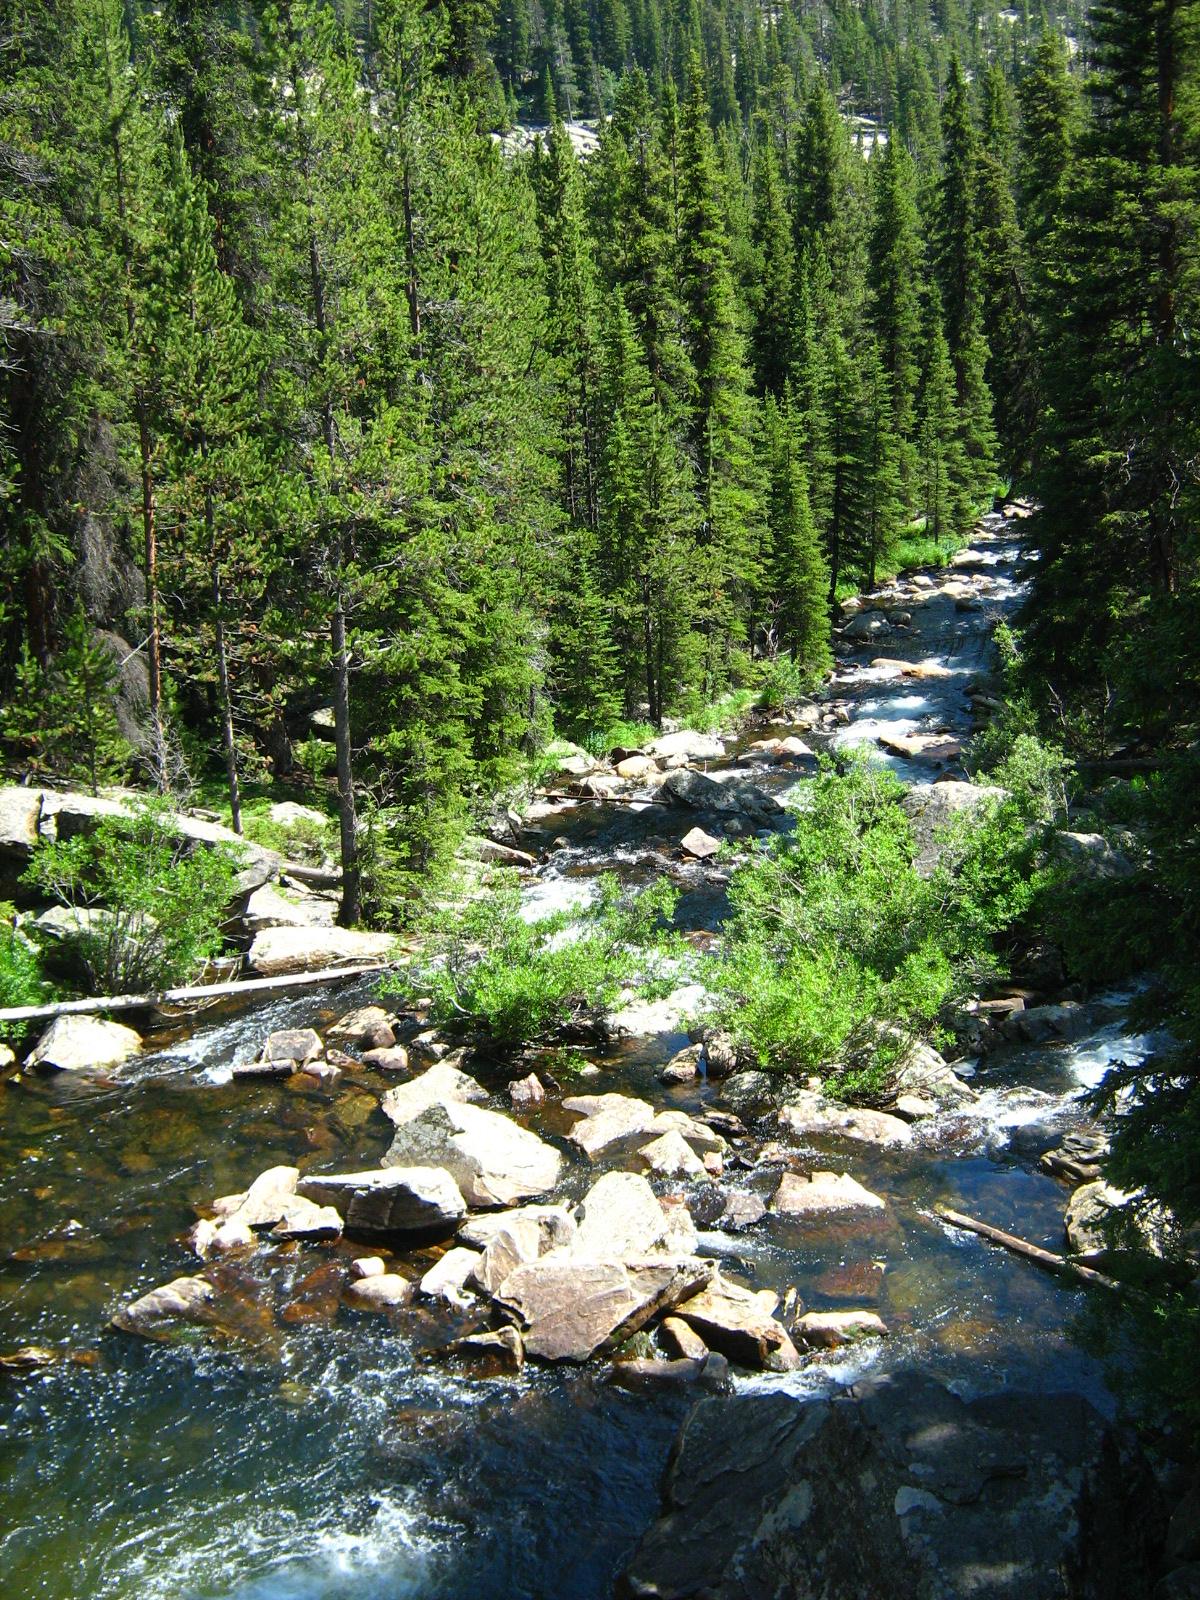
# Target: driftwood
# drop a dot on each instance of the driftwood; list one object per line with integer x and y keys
{"x": 1031, "y": 1252}
{"x": 319, "y": 877}
{"x": 196, "y": 992}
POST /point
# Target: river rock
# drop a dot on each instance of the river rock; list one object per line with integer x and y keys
{"x": 929, "y": 806}
{"x": 1091, "y": 855}
{"x": 288, "y": 814}
{"x": 156, "y": 1315}
{"x": 518, "y": 1241}
{"x": 682, "y": 1340}
{"x": 502, "y": 1346}
{"x": 636, "y": 766}
{"x": 1115, "y": 1232}
{"x": 555, "y": 1224}
{"x": 689, "y": 788}
{"x": 20, "y": 815}
{"x": 738, "y": 1322}
{"x": 525, "y": 1093}
{"x": 1037, "y": 1024}
{"x": 389, "y": 1199}
{"x": 695, "y": 746}
{"x": 380, "y": 1291}
{"x": 494, "y": 1161}
{"x": 829, "y": 1330}
{"x": 607, "y": 1119}
{"x": 649, "y": 1375}
{"x": 699, "y": 844}
{"x": 898, "y": 1487}
{"x": 493, "y": 853}
{"x": 1077, "y": 1159}
{"x": 83, "y": 1044}
{"x": 867, "y": 625}
{"x": 809, "y": 1113}
{"x": 751, "y": 1093}
{"x": 925, "y": 1073}
{"x": 269, "y": 907}
{"x": 298, "y": 1046}
{"x": 742, "y": 1209}
{"x": 447, "y": 1279}
{"x": 442, "y": 1084}
{"x": 367, "y": 1028}
{"x": 683, "y": 1067}
{"x": 820, "y": 1194}
{"x": 277, "y": 952}
{"x": 390, "y": 1058}
{"x": 670, "y": 1156}
{"x": 570, "y": 1308}
{"x": 211, "y": 1238}
{"x": 619, "y": 1217}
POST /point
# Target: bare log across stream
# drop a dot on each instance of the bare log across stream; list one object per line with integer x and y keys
{"x": 1031, "y": 1252}
{"x": 196, "y": 992}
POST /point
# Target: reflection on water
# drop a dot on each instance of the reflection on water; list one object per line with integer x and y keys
{"x": 319, "y": 1454}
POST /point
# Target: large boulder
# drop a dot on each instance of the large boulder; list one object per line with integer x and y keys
{"x": 809, "y": 1113}
{"x": 388, "y": 1199}
{"x": 494, "y": 1161}
{"x": 930, "y": 806}
{"x": 270, "y": 1203}
{"x": 20, "y": 815}
{"x": 442, "y": 1084}
{"x": 735, "y": 795}
{"x": 620, "y": 1217}
{"x": 1119, "y": 1233}
{"x": 570, "y": 1308}
{"x": 279, "y": 952}
{"x": 83, "y": 1044}
{"x": 899, "y": 1487}
{"x": 269, "y": 907}
{"x": 610, "y": 1120}
{"x": 689, "y": 744}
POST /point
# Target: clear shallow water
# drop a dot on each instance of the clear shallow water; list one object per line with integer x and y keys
{"x": 320, "y": 1454}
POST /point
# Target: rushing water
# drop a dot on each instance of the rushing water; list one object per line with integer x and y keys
{"x": 322, "y": 1454}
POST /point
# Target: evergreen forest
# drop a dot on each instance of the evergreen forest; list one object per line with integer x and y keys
{"x": 420, "y": 413}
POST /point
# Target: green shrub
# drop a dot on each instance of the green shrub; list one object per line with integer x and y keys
{"x": 157, "y": 903}
{"x": 524, "y": 981}
{"x": 21, "y": 980}
{"x": 619, "y": 735}
{"x": 781, "y": 682}
{"x": 834, "y": 932}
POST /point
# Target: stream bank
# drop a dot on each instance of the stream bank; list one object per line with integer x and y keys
{"x": 328, "y": 1450}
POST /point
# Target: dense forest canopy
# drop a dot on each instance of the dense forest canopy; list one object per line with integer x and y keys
{"x": 390, "y": 387}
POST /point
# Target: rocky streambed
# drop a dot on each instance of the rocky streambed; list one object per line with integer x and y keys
{"x": 308, "y": 1302}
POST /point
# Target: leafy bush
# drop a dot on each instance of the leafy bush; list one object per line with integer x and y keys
{"x": 523, "y": 981}
{"x": 833, "y": 931}
{"x": 623, "y": 735}
{"x": 781, "y": 682}
{"x": 21, "y": 980}
{"x": 156, "y": 905}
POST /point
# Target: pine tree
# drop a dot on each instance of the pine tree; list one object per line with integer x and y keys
{"x": 799, "y": 575}
{"x": 882, "y": 495}
{"x": 946, "y": 478}
{"x": 216, "y": 473}
{"x": 895, "y": 276}
{"x": 958, "y": 267}
{"x": 771, "y": 290}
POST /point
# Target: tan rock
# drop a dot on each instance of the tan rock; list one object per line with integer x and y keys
{"x": 571, "y": 1308}
{"x": 738, "y": 1323}
{"x": 670, "y": 1156}
{"x": 821, "y": 1194}
{"x": 83, "y": 1044}
{"x": 440, "y": 1085}
{"x": 809, "y": 1113}
{"x": 827, "y": 1330}
{"x": 381, "y": 1291}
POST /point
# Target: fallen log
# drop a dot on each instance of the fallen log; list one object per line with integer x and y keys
{"x": 195, "y": 992}
{"x": 1031, "y": 1252}
{"x": 319, "y": 877}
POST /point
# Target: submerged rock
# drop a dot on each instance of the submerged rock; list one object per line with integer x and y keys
{"x": 157, "y": 1315}
{"x": 84, "y": 1044}
{"x": 898, "y": 1487}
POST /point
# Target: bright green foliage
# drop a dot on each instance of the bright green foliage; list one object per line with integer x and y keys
{"x": 62, "y": 722}
{"x": 834, "y": 931}
{"x": 163, "y": 900}
{"x": 525, "y": 981}
{"x": 21, "y": 980}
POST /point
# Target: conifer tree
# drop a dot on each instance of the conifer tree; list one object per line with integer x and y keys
{"x": 946, "y": 478}
{"x": 895, "y": 276}
{"x": 771, "y": 291}
{"x": 958, "y": 266}
{"x": 799, "y": 574}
